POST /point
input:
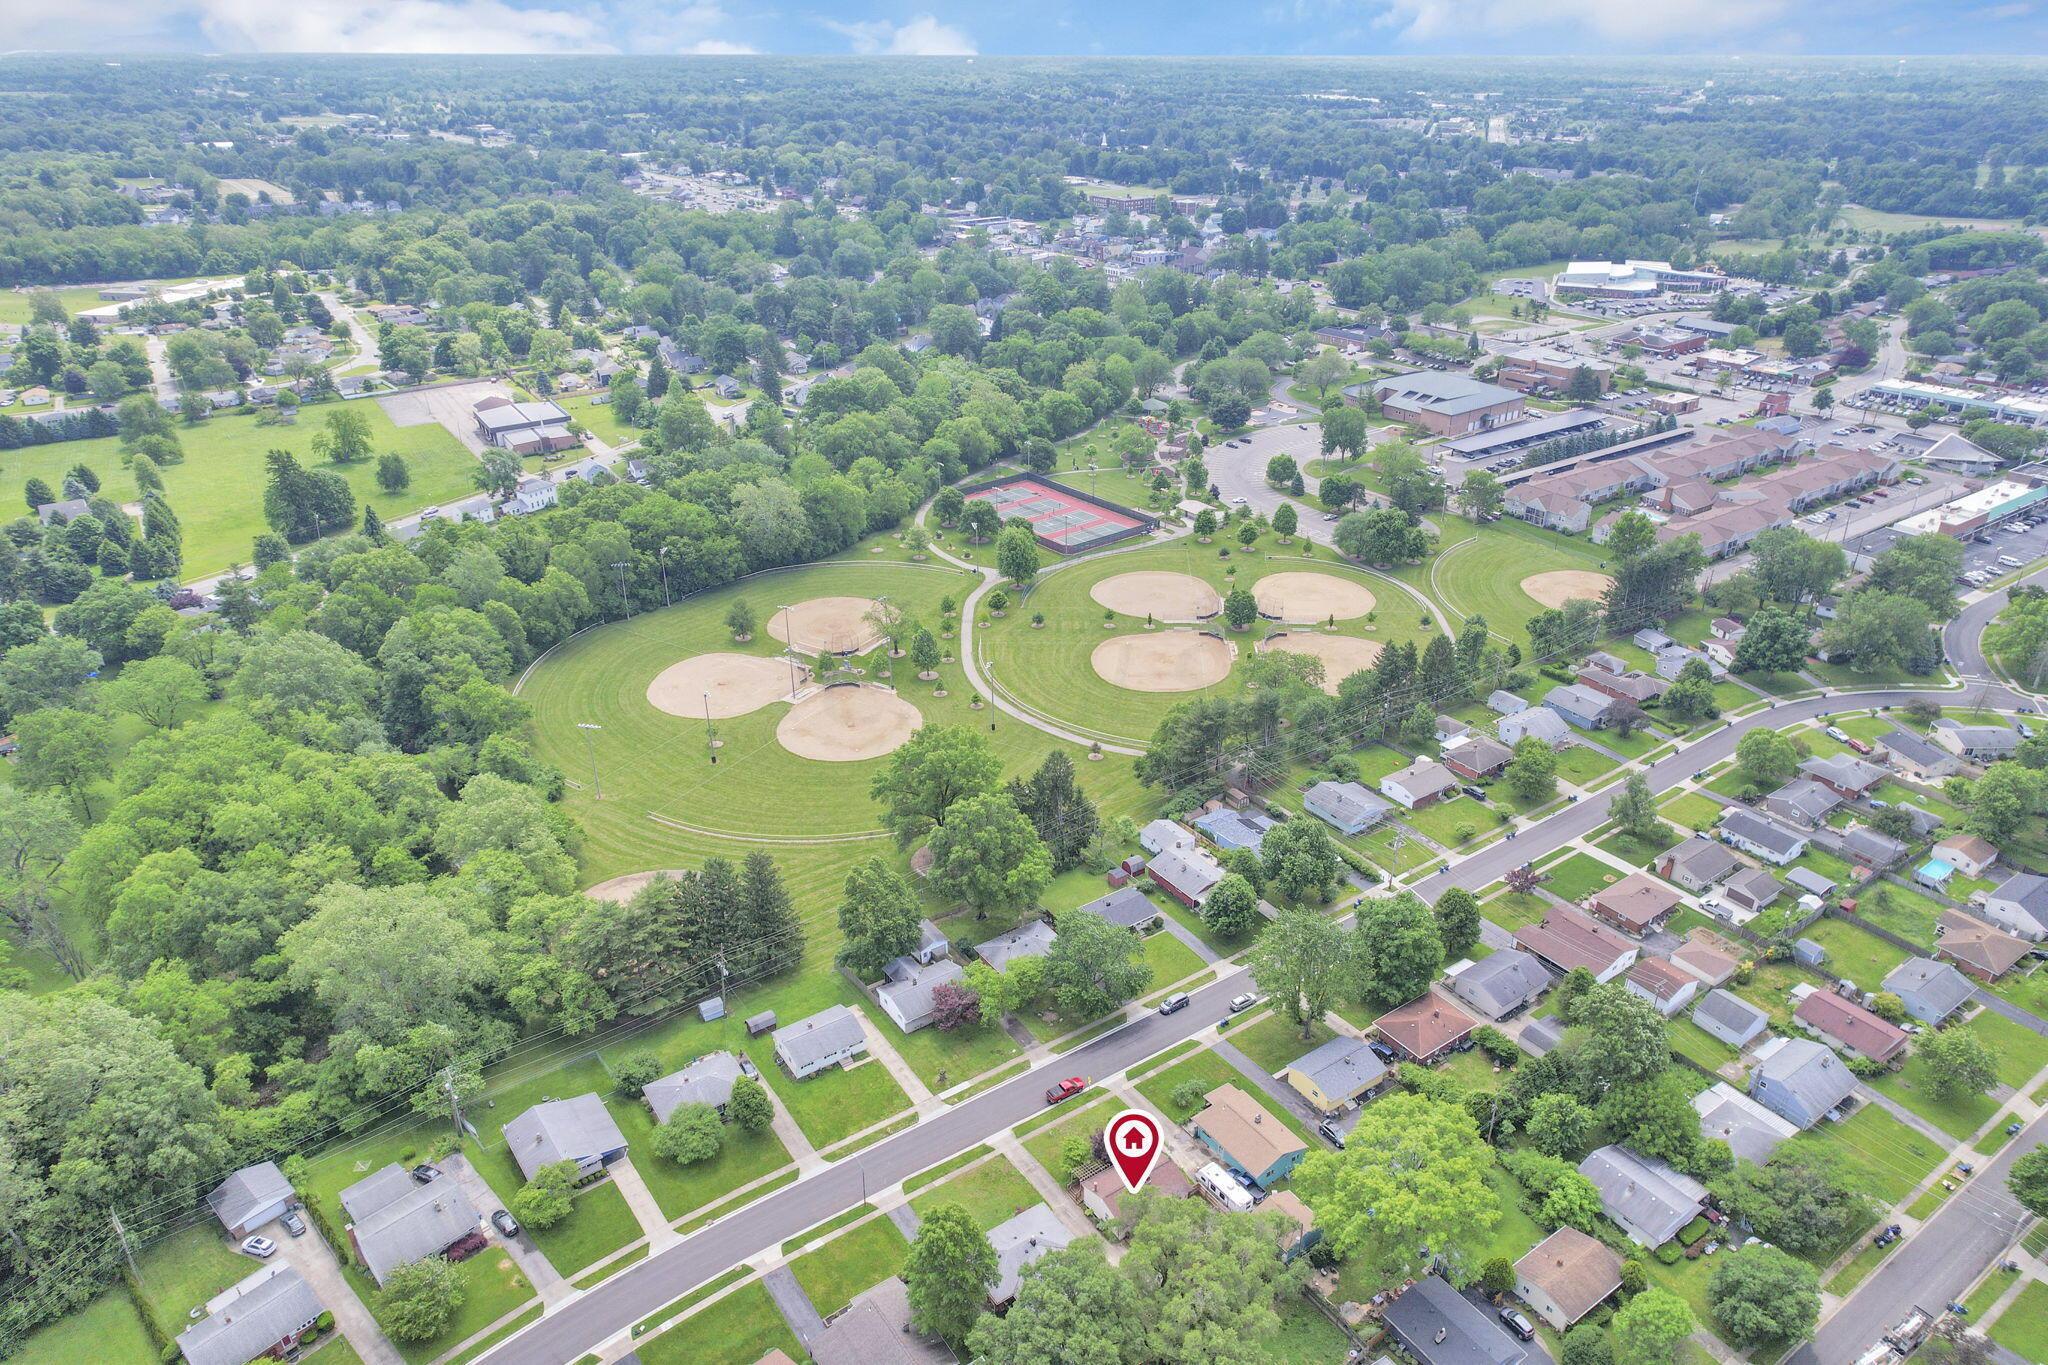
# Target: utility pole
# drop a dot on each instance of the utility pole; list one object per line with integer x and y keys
{"x": 590, "y": 746}
{"x": 454, "y": 1100}
{"x": 722, "y": 974}
{"x": 620, "y": 565}
{"x": 129, "y": 1251}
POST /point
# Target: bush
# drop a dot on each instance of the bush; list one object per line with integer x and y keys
{"x": 692, "y": 1134}
{"x": 1188, "y": 1095}
{"x": 548, "y": 1198}
{"x": 325, "y": 1322}
{"x": 1496, "y": 1045}
{"x": 1671, "y": 1253}
{"x": 635, "y": 1073}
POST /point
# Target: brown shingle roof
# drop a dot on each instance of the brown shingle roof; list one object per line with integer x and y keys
{"x": 1851, "y": 1025}
{"x": 1425, "y": 1024}
{"x": 1568, "y": 939}
{"x": 1973, "y": 943}
{"x": 1638, "y": 901}
{"x": 1574, "y": 1269}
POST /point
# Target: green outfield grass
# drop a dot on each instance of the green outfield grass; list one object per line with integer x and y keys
{"x": 218, "y": 491}
{"x": 1050, "y": 671}
{"x": 1482, "y": 573}
{"x": 665, "y": 806}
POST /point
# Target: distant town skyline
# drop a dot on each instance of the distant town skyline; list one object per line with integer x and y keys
{"x": 961, "y": 28}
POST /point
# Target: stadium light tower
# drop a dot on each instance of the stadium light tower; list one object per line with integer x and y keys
{"x": 590, "y": 745}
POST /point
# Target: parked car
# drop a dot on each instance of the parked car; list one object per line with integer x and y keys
{"x": 1476, "y": 793}
{"x": 1516, "y": 1323}
{"x": 262, "y": 1248}
{"x": 1240, "y": 1003}
{"x": 1858, "y": 745}
{"x": 505, "y": 1223}
{"x": 423, "y": 1173}
{"x": 1066, "y": 1089}
{"x": 293, "y": 1224}
{"x": 1175, "y": 1003}
{"x": 1331, "y": 1135}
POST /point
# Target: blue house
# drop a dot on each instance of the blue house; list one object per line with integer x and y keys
{"x": 1246, "y": 1138}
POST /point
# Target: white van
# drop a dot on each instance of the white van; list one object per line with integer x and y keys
{"x": 2009, "y": 562}
{"x": 1223, "y": 1185}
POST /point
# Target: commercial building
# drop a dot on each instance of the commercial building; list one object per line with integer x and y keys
{"x": 1541, "y": 367}
{"x": 1446, "y": 403}
{"x": 1915, "y": 394}
{"x": 1631, "y": 280}
{"x": 1971, "y": 515}
{"x": 1524, "y": 435}
{"x": 523, "y": 428}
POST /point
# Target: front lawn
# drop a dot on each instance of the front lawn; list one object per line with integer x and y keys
{"x": 739, "y": 1329}
{"x": 742, "y": 1158}
{"x": 1579, "y": 765}
{"x": 1205, "y": 1067}
{"x": 1630, "y": 849}
{"x": 1450, "y": 823}
{"x": 2023, "y": 1327}
{"x": 1912, "y": 1086}
{"x": 992, "y": 1193}
{"x": 1579, "y": 876}
{"x": 1169, "y": 958}
{"x": 1692, "y": 810}
{"x": 2021, "y": 1051}
{"x": 492, "y": 1287}
{"x": 1513, "y": 909}
{"x": 1275, "y": 1041}
{"x": 1045, "y": 1143}
{"x": 851, "y": 1263}
{"x": 598, "y": 1224}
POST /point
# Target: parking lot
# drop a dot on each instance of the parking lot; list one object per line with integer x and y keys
{"x": 1982, "y": 556}
{"x": 451, "y": 405}
{"x": 1239, "y": 472}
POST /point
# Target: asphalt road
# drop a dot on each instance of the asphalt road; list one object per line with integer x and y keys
{"x": 617, "y": 1303}
{"x": 1935, "y": 1266}
{"x": 1963, "y": 638}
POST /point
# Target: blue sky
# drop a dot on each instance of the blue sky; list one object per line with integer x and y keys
{"x": 988, "y": 27}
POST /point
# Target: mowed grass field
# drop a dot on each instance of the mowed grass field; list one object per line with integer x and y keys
{"x": 666, "y": 806}
{"x": 1479, "y": 570}
{"x": 218, "y": 491}
{"x": 1049, "y": 670}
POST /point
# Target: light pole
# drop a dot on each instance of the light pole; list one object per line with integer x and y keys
{"x": 789, "y": 647}
{"x": 590, "y": 745}
{"x": 620, "y": 565}
{"x": 710, "y": 735}
{"x": 662, "y": 556}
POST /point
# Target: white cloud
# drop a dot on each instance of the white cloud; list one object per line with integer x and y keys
{"x": 719, "y": 47}
{"x": 374, "y": 26}
{"x": 1620, "y": 21}
{"x": 923, "y": 36}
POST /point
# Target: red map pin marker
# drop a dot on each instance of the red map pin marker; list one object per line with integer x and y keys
{"x": 1132, "y": 1140}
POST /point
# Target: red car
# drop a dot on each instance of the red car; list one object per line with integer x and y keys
{"x": 1066, "y": 1089}
{"x": 1858, "y": 745}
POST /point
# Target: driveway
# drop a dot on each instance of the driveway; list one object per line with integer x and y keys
{"x": 1280, "y": 1094}
{"x": 319, "y": 1267}
{"x": 540, "y": 1272}
{"x": 365, "y": 340}
{"x": 795, "y": 1306}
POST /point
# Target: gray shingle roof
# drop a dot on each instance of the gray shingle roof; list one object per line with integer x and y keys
{"x": 1440, "y": 1326}
{"x": 1650, "y": 1200}
{"x": 1127, "y": 907}
{"x": 1345, "y": 803}
{"x": 250, "y": 1318}
{"x": 1757, "y": 830}
{"x": 1931, "y": 990}
{"x": 1702, "y": 858}
{"x": 578, "y": 1129}
{"x": 1736, "y": 1017}
{"x": 1342, "y": 1067}
{"x": 912, "y": 995}
{"x": 1034, "y": 1233}
{"x": 1915, "y": 750}
{"x": 1844, "y": 770}
{"x": 708, "y": 1080}
{"x": 1501, "y": 981}
{"x": 248, "y": 1192}
{"x": 2028, "y": 894}
{"x": 397, "y": 1220}
{"x": 1809, "y": 1071}
{"x": 824, "y": 1034}
{"x": 1034, "y": 939}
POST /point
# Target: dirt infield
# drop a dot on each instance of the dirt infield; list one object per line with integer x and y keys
{"x": 1162, "y": 596}
{"x": 735, "y": 683}
{"x": 834, "y": 625}
{"x": 1171, "y": 661}
{"x": 1311, "y": 597}
{"x": 1559, "y": 586}
{"x": 1341, "y": 654}
{"x": 847, "y": 724}
{"x": 621, "y": 889}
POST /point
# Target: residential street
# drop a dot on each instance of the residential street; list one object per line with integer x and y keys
{"x": 613, "y": 1306}
{"x": 1935, "y": 1265}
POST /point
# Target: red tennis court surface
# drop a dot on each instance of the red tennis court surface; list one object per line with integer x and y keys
{"x": 1062, "y": 519}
